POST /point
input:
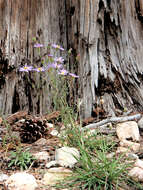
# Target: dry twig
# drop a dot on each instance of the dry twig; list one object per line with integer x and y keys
{"x": 112, "y": 120}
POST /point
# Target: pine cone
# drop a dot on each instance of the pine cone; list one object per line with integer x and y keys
{"x": 32, "y": 130}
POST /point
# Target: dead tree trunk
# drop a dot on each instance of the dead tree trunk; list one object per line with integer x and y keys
{"x": 20, "y": 21}
{"x": 107, "y": 34}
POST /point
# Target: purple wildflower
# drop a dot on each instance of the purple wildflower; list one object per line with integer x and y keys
{"x": 57, "y": 47}
{"x": 26, "y": 68}
{"x": 39, "y": 69}
{"x": 55, "y": 66}
{"x": 38, "y": 45}
{"x": 63, "y": 72}
{"x": 50, "y": 55}
{"x": 51, "y": 65}
{"x": 59, "y": 59}
{"x": 59, "y": 66}
{"x": 73, "y": 75}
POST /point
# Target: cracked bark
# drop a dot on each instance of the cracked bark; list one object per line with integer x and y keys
{"x": 20, "y": 21}
{"x": 110, "y": 43}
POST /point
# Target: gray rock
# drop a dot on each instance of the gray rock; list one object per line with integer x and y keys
{"x": 132, "y": 156}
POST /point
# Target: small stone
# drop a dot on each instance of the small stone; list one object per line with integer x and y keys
{"x": 59, "y": 170}
{"x": 54, "y": 132}
{"x": 55, "y": 174}
{"x": 52, "y": 163}
{"x": 66, "y": 156}
{"x": 127, "y": 130}
{"x": 136, "y": 173}
{"x": 132, "y": 156}
{"x": 131, "y": 145}
{"x": 21, "y": 181}
{"x": 139, "y": 163}
{"x": 3, "y": 177}
{"x": 42, "y": 155}
{"x": 50, "y": 125}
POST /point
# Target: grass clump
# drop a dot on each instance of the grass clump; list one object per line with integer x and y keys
{"x": 9, "y": 137}
{"x": 21, "y": 159}
{"x": 95, "y": 170}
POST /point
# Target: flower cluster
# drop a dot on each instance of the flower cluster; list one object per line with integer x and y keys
{"x": 55, "y": 63}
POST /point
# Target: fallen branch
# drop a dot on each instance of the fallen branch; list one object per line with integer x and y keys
{"x": 112, "y": 120}
{"x": 16, "y": 116}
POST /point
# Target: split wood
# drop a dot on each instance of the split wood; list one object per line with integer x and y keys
{"x": 112, "y": 120}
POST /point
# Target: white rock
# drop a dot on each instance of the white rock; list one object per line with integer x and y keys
{"x": 21, "y": 181}
{"x": 50, "y": 125}
{"x": 54, "y": 132}
{"x": 128, "y": 130}
{"x": 140, "y": 123}
{"x": 52, "y": 163}
{"x": 139, "y": 163}
{"x": 3, "y": 177}
{"x": 42, "y": 155}
{"x": 60, "y": 170}
{"x": 131, "y": 145}
{"x": 136, "y": 173}
{"x": 66, "y": 156}
{"x": 55, "y": 174}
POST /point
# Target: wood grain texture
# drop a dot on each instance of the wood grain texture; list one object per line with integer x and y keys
{"x": 110, "y": 42}
{"x": 20, "y": 21}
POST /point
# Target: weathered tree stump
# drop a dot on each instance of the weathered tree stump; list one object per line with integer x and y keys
{"x": 107, "y": 35}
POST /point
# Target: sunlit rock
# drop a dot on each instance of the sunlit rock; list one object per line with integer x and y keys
{"x": 128, "y": 130}
{"x": 136, "y": 173}
{"x": 131, "y": 145}
{"x": 41, "y": 156}
{"x": 54, "y": 174}
{"x": 3, "y": 177}
{"x": 65, "y": 156}
{"x": 139, "y": 163}
{"x": 21, "y": 181}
